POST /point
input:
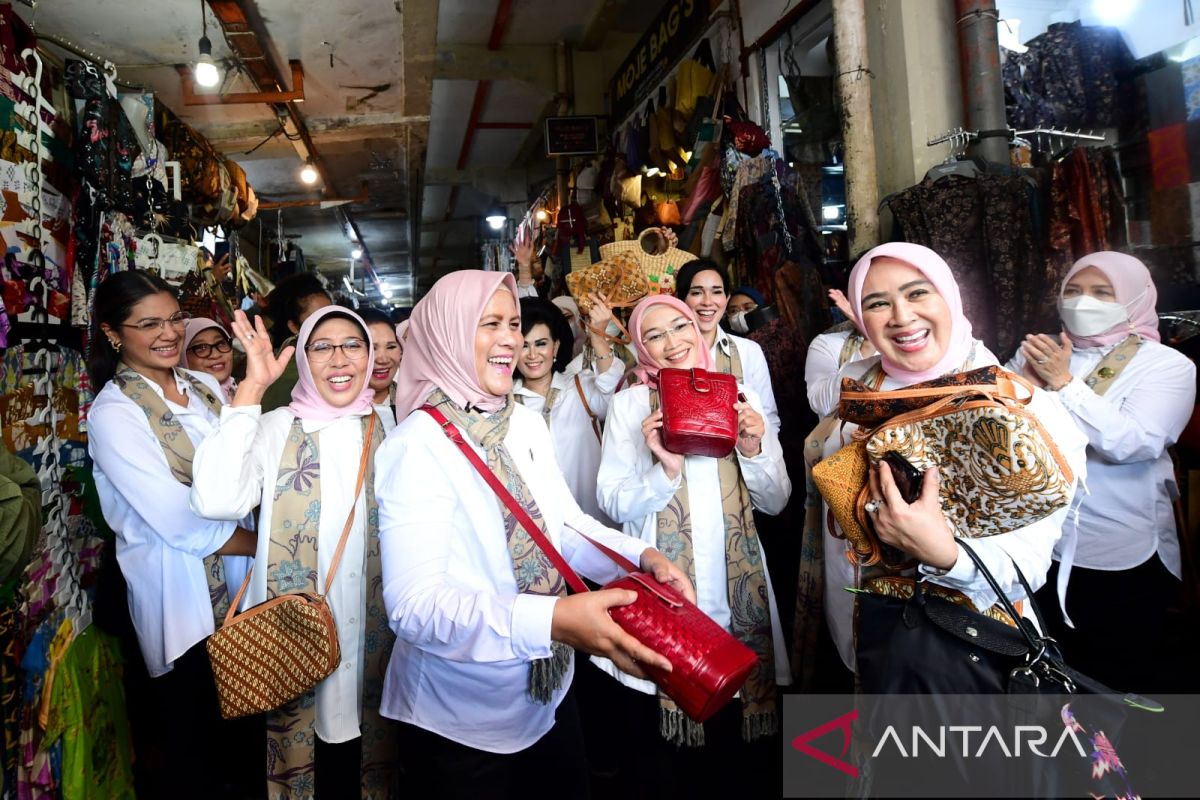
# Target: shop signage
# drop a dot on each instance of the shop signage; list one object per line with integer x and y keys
{"x": 661, "y": 47}
{"x": 572, "y": 136}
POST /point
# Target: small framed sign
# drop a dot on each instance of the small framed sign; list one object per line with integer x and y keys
{"x": 572, "y": 136}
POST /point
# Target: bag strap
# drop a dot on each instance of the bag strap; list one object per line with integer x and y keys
{"x": 337, "y": 555}
{"x": 1004, "y": 600}
{"x": 591, "y": 414}
{"x": 573, "y": 580}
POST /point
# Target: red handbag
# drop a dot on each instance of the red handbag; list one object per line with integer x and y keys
{"x": 698, "y": 414}
{"x": 708, "y": 665}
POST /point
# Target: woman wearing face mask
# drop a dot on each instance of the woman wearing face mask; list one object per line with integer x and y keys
{"x": 178, "y": 565}
{"x": 206, "y": 348}
{"x": 572, "y": 404}
{"x": 705, "y": 288}
{"x": 298, "y": 465}
{"x": 482, "y": 668}
{"x": 906, "y": 302}
{"x": 698, "y": 511}
{"x": 387, "y": 360}
{"x": 1131, "y": 396}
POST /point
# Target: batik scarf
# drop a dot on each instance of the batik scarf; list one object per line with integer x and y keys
{"x": 547, "y": 407}
{"x": 532, "y": 569}
{"x": 729, "y": 360}
{"x": 292, "y": 568}
{"x": 746, "y": 582}
{"x": 180, "y": 453}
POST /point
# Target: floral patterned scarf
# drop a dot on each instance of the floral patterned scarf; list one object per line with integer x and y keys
{"x": 532, "y": 569}
{"x": 746, "y": 580}
{"x": 180, "y": 453}
{"x": 292, "y": 568}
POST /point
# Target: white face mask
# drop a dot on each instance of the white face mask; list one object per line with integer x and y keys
{"x": 738, "y": 323}
{"x": 1086, "y": 316}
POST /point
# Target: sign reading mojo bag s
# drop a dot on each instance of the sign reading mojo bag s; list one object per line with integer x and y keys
{"x": 660, "y": 48}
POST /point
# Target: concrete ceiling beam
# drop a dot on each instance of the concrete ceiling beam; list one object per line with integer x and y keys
{"x": 530, "y": 64}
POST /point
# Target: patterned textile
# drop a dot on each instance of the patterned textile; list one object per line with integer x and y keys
{"x": 292, "y": 568}
{"x": 1191, "y": 87}
{"x": 180, "y": 452}
{"x": 1169, "y": 160}
{"x": 533, "y": 570}
{"x": 902, "y": 588}
{"x": 864, "y": 405}
{"x": 1075, "y": 70}
{"x": 750, "y": 616}
{"x": 70, "y": 374}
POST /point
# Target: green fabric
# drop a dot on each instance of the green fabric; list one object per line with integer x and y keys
{"x": 20, "y": 514}
{"x": 279, "y": 393}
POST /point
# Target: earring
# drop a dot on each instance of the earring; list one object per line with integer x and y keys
{"x": 116, "y": 344}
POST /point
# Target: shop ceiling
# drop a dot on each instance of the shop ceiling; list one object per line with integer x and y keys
{"x": 425, "y": 112}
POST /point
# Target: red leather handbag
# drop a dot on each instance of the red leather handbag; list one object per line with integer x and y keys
{"x": 698, "y": 414}
{"x": 708, "y": 665}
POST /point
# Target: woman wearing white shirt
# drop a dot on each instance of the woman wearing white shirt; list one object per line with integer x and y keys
{"x": 298, "y": 465}
{"x": 906, "y": 302}
{"x": 573, "y": 403}
{"x": 1132, "y": 397}
{"x": 385, "y": 341}
{"x": 704, "y": 286}
{"x": 827, "y": 354}
{"x": 177, "y": 565}
{"x": 697, "y": 511}
{"x": 482, "y": 663}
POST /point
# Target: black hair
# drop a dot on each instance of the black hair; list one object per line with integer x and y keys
{"x": 286, "y": 302}
{"x": 340, "y": 313}
{"x": 374, "y": 316}
{"x": 536, "y": 311}
{"x": 115, "y": 298}
{"x": 688, "y": 272}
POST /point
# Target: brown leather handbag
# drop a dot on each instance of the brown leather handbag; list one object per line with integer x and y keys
{"x": 276, "y": 651}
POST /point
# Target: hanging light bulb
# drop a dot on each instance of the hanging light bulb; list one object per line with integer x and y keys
{"x": 207, "y": 74}
{"x": 356, "y": 252}
{"x": 496, "y": 218}
{"x": 541, "y": 215}
{"x": 309, "y": 173}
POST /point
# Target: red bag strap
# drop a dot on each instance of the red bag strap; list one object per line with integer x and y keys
{"x": 510, "y": 502}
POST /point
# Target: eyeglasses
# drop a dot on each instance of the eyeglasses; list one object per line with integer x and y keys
{"x": 321, "y": 352}
{"x": 673, "y": 332}
{"x": 177, "y": 320}
{"x": 206, "y": 350}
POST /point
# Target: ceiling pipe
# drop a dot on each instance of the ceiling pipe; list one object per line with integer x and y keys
{"x": 983, "y": 85}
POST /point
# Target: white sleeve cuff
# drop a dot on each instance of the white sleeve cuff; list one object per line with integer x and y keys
{"x": 1073, "y": 392}
{"x": 252, "y": 413}
{"x": 661, "y": 484}
{"x": 532, "y": 618}
{"x": 960, "y": 575}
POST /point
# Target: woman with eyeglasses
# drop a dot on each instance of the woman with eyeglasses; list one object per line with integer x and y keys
{"x": 207, "y": 348}
{"x": 697, "y": 511}
{"x": 143, "y": 429}
{"x": 299, "y": 465}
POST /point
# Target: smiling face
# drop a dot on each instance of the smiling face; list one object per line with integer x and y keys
{"x": 387, "y": 358}
{"x": 339, "y": 380}
{"x": 153, "y": 350}
{"x": 905, "y": 315}
{"x": 497, "y": 342}
{"x": 1091, "y": 282}
{"x": 216, "y": 363}
{"x": 707, "y": 298}
{"x": 537, "y": 353}
{"x": 670, "y": 337}
{"x": 741, "y": 302}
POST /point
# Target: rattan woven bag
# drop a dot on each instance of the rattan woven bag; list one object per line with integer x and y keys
{"x": 660, "y": 262}
{"x": 276, "y": 651}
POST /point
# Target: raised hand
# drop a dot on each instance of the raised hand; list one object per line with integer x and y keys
{"x": 1049, "y": 359}
{"x": 750, "y": 430}
{"x": 672, "y": 463}
{"x": 600, "y": 314}
{"x": 263, "y": 367}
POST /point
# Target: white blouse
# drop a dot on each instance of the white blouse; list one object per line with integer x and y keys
{"x": 161, "y": 543}
{"x": 1030, "y": 546}
{"x": 464, "y": 635}
{"x": 633, "y": 488}
{"x": 386, "y": 415}
{"x": 822, "y": 380}
{"x": 1128, "y": 514}
{"x": 575, "y": 444}
{"x": 236, "y": 469}
{"x": 754, "y": 371}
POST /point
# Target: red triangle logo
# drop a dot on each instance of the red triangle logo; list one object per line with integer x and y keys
{"x": 844, "y": 724}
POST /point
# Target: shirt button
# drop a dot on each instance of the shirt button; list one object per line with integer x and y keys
{"x": 353, "y": 574}
{"x": 346, "y": 665}
{"x": 353, "y": 620}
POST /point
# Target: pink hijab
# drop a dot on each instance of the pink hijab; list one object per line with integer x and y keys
{"x": 935, "y": 268}
{"x": 440, "y": 351}
{"x": 197, "y": 325}
{"x": 307, "y": 403}
{"x": 647, "y": 368}
{"x": 1135, "y": 290}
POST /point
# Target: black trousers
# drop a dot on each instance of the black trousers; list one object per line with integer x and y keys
{"x": 630, "y": 759}
{"x": 1120, "y": 618}
{"x": 554, "y": 765}
{"x": 205, "y": 755}
{"x": 338, "y": 769}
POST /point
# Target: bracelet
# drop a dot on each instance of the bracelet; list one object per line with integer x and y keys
{"x": 1062, "y": 386}
{"x": 602, "y": 356}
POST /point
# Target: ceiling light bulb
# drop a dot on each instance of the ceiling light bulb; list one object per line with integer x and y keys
{"x": 541, "y": 215}
{"x": 387, "y": 293}
{"x": 207, "y": 74}
{"x": 356, "y": 252}
{"x": 309, "y": 173}
{"x": 496, "y": 220}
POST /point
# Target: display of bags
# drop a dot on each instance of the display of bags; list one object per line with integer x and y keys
{"x": 199, "y": 164}
{"x": 171, "y": 261}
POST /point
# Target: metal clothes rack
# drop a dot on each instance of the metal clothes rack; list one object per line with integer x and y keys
{"x": 961, "y": 137}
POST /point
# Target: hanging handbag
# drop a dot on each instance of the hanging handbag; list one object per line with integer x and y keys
{"x": 171, "y": 261}
{"x": 658, "y": 259}
{"x": 708, "y": 665}
{"x": 698, "y": 414}
{"x": 276, "y": 651}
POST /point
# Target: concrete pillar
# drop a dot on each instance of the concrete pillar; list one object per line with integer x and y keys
{"x": 858, "y": 134}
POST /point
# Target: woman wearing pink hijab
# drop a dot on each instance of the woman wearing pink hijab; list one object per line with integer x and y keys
{"x": 1132, "y": 397}
{"x": 698, "y": 511}
{"x": 298, "y": 465}
{"x": 906, "y": 302}
{"x": 482, "y": 666}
